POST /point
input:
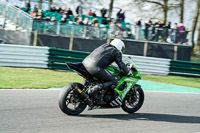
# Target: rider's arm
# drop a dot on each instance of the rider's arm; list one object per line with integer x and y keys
{"x": 120, "y": 63}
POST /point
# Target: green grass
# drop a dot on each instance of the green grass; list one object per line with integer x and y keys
{"x": 28, "y": 78}
{"x": 195, "y": 59}
{"x": 175, "y": 80}
{"x": 21, "y": 78}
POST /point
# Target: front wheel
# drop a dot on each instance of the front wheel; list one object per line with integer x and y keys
{"x": 69, "y": 102}
{"x": 133, "y": 100}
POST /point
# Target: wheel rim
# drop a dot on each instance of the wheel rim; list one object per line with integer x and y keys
{"x": 72, "y": 102}
{"x": 132, "y": 100}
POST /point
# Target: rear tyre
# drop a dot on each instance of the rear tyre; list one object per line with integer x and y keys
{"x": 133, "y": 100}
{"x": 69, "y": 102}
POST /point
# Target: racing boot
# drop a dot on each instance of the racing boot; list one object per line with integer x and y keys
{"x": 93, "y": 107}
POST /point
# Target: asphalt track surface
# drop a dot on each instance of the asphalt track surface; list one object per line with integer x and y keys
{"x": 37, "y": 111}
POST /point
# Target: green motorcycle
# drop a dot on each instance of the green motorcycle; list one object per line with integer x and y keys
{"x": 128, "y": 95}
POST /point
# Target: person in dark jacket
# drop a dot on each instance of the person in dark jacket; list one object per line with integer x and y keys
{"x": 97, "y": 62}
{"x": 28, "y": 6}
{"x": 79, "y": 9}
{"x": 103, "y": 12}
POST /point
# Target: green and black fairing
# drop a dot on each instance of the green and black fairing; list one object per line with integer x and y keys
{"x": 125, "y": 82}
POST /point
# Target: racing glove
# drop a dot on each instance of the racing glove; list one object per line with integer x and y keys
{"x": 130, "y": 73}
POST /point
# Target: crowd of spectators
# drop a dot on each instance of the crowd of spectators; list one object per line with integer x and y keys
{"x": 153, "y": 31}
{"x": 159, "y": 31}
{"x": 116, "y": 25}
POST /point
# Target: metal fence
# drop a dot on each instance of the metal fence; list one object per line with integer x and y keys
{"x": 16, "y": 15}
{"x": 80, "y": 31}
{"x": 114, "y": 31}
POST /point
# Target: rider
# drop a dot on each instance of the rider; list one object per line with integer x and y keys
{"x": 97, "y": 62}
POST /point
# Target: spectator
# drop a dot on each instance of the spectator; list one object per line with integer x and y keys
{"x": 104, "y": 21}
{"x": 168, "y": 25}
{"x": 147, "y": 26}
{"x": 79, "y": 9}
{"x": 80, "y": 21}
{"x": 40, "y": 15}
{"x": 76, "y": 18}
{"x": 181, "y": 33}
{"x": 67, "y": 14}
{"x": 47, "y": 18}
{"x": 94, "y": 14}
{"x": 118, "y": 13}
{"x": 103, "y": 12}
{"x": 59, "y": 9}
{"x": 138, "y": 22}
{"x": 86, "y": 22}
{"x": 160, "y": 30}
{"x": 63, "y": 20}
{"x": 138, "y": 25}
{"x": 32, "y": 12}
{"x": 35, "y": 8}
{"x": 96, "y": 25}
{"x": 34, "y": 15}
{"x": 28, "y": 6}
{"x": 121, "y": 15}
{"x": 94, "y": 21}
{"x": 53, "y": 19}
{"x": 154, "y": 30}
{"x": 167, "y": 31}
{"x": 70, "y": 22}
{"x": 115, "y": 29}
{"x": 115, "y": 21}
{"x": 108, "y": 20}
{"x": 128, "y": 31}
{"x": 53, "y": 8}
{"x": 64, "y": 16}
{"x": 174, "y": 33}
{"x": 62, "y": 11}
{"x": 70, "y": 12}
{"x": 89, "y": 13}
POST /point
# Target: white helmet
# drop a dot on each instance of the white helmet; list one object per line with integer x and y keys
{"x": 119, "y": 44}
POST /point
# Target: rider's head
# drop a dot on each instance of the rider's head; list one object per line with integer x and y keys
{"x": 119, "y": 44}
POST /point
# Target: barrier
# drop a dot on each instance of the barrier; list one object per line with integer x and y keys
{"x": 184, "y": 68}
{"x": 151, "y": 65}
{"x": 23, "y": 56}
{"x": 53, "y": 58}
{"x": 58, "y": 57}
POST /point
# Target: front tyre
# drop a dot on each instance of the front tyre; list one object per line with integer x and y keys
{"x": 69, "y": 102}
{"x": 133, "y": 100}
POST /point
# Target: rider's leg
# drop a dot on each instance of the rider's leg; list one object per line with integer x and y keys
{"x": 106, "y": 76}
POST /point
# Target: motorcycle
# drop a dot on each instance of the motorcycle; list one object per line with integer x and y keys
{"x": 128, "y": 95}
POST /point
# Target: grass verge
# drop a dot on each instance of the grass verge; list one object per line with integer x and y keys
{"x": 29, "y": 78}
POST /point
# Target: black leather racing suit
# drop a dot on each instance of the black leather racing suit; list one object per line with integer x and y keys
{"x": 97, "y": 62}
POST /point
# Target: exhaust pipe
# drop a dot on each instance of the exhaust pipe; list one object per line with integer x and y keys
{"x": 83, "y": 96}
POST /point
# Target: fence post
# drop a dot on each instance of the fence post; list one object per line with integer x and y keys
{"x": 71, "y": 39}
{"x": 58, "y": 29}
{"x": 84, "y": 31}
{"x": 175, "y": 52}
{"x": 35, "y": 38}
{"x": 145, "y": 48}
{"x": 108, "y": 40}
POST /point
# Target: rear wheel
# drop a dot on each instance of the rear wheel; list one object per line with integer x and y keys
{"x": 133, "y": 100}
{"x": 69, "y": 102}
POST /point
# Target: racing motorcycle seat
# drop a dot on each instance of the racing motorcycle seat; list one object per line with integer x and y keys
{"x": 80, "y": 69}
